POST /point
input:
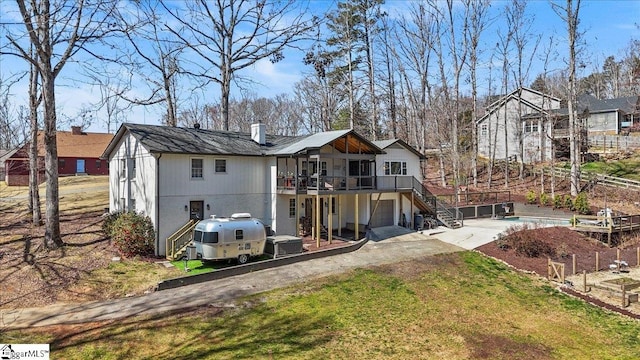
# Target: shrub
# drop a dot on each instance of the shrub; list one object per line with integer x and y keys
{"x": 109, "y": 219}
{"x": 574, "y": 221}
{"x": 133, "y": 234}
{"x": 557, "y": 201}
{"x": 531, "y": 197}
{"x": 544, "y": 199}
{"x": 567, "y": 202}
{"x": 532, "y": 247}
{"x": 581, "y": 204}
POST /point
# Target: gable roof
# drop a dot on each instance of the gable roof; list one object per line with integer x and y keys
{"x": 514, "y": 94}
{"x": 342, "y": 139}
{"x": 384, "y": 144}
{"x": 70, "y": 145}
{"x": 495, "y": 106}
{"x": 178, "y": 140}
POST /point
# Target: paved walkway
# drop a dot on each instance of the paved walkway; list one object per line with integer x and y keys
{"x": 404, "y": 247}
{"x": 388, "y": 245}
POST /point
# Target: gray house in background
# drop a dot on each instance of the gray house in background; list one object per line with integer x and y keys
{"x": 519, "y": 112}
{"x": 608, "y": 116}
{"x": 541, "y": 124}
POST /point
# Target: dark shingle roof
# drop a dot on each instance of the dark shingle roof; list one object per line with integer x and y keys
{"x": 165, "y": 139}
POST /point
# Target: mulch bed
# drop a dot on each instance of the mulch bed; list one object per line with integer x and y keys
{"x": 566, "y": 243}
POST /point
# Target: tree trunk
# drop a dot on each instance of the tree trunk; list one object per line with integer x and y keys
{"x": 34, "y": 169}
{"x": 52, "y": 238}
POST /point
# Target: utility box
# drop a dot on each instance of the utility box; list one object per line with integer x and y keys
{"x": 418, "y": 222}
{"x": 283, "y": 245}
{"x": 191, "y": 252}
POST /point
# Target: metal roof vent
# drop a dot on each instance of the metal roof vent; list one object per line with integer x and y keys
{"x": 196, "y": 126}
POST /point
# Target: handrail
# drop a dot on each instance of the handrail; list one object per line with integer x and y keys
{"x": 179, "y": 236}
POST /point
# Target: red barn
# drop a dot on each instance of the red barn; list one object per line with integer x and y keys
{"x": 78, "y": 153}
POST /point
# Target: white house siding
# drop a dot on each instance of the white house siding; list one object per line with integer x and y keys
{"x": 396, "y": 152}
{"x": 245, "y": 187}
{"x": 132, "y": 190}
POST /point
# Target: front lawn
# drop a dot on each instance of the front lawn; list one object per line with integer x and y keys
{"x": 453, "y": 306}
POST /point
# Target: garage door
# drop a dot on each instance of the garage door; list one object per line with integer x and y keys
{"x": 383, "y": 215}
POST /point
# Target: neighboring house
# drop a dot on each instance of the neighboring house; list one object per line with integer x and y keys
{"x": 336, "y": 179}
{"x": 78, "y": 153}
{"x": 607, "y": 116}
{"x": 518, "y": 111}
{"x": 543, "y": 123}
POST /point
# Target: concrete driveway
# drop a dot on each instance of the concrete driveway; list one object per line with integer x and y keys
{"x": 392, "y": 246}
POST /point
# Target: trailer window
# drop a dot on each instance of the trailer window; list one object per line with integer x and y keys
{"x": 239, "y": 235}
{"x": 210, "y": 238}
{"x": 197, "y": 236}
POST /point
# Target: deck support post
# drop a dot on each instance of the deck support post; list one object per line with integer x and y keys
{"x": 318, "y": 221}
{"x": 357, "y": 221}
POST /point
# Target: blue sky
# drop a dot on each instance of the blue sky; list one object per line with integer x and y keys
{"x": 608, "y": 25}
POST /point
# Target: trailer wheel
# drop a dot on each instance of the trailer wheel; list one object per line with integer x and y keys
{"x": 242, "y": 259}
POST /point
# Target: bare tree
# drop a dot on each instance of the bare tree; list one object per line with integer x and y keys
{"x": 56, "y": 31}
{"x": 521, "y": 23}
{"x": 34, "y": 166}
{"x": 478, "y": 20}
{"x": 570, "y": 15}
{"x": 223, "y": 37}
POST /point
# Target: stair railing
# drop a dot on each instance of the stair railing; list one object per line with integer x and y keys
{"x": 179, "y": 239}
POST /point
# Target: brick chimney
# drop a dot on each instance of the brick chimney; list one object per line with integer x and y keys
{"x": 76, "y": 130}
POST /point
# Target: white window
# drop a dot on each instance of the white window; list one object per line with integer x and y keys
{"x": 292, "y": 208}
{"x": 121, "y": 205}
{"x": 132, "y": 173}
{"x": 531, "y": 126}
{"x": 196, "y": 168}
{"x": 132, "y": 205}
{"x": 483, "y": 129}
{"x": 395, "y": 168}
{"x": 123, "y": 168}
{"x": 220, "y": 166}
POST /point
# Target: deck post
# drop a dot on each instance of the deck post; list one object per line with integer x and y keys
{"x": 318, "y": 221}
{"x": 597, "y": 261}
{"x": 573, "y": 261}
{"x": 339, "y": 205}
{"x": 330, "y": 220}
{"x": 357, "y": 221}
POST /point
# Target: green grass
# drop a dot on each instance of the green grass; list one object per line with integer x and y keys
{"x": 198, "y": 266}
{"x": 626, "y": 168}
{"x": 454, "y": 306}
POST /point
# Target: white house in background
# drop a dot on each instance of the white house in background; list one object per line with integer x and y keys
{"x": 336, "y": 179}
{"x": 518, "y": 111}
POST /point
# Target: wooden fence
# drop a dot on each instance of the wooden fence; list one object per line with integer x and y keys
{"x": 587, "y": 176}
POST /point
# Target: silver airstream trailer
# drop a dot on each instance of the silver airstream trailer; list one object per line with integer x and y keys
{"x": 237, "y": 237}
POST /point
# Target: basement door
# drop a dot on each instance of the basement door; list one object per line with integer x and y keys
{"x": 196, "y": 210}
{"x": 383, "y": 215}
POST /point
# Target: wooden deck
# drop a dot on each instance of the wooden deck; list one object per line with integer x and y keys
{"x": 607, "y": 225}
